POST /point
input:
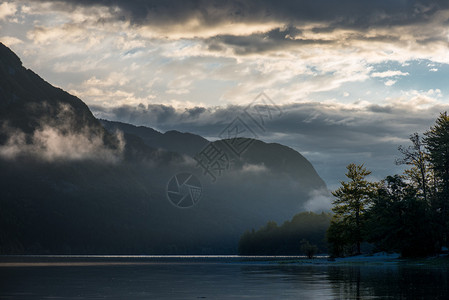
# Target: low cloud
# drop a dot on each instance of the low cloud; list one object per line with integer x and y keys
{"x": 319, "y": 201}
{"x": 51, "y": 144}
{"x": 307, "y": 118}
{"x": 59, "y": 141}
{"x": 252, "y": 168}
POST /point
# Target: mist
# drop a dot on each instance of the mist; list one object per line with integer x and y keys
{"x": 60, "y": 139}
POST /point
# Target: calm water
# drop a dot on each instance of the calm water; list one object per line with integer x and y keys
{"x": 212, "y": 278}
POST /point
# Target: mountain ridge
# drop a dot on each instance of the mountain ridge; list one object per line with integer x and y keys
{"x": 257, "y": 153}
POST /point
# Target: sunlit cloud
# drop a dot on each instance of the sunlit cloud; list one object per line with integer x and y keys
{"x": 389, "y": 74}
{"x": 7, "y": 9}
{"x": 10, "y": 40}
{"x": 390, "y": 82}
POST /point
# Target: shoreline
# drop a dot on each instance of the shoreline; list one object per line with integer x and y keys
{"x": 376, "y": 259}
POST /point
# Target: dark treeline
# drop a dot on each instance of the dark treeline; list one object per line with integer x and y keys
{"x": 304, "y": 234}
{"x": 405, "y": 213}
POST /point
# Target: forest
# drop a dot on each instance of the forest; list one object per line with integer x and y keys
{"x": 305, "y": 232}
{"x": 404, "y": 213}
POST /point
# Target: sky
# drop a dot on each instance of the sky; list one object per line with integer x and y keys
{"x": 351, "y": 80}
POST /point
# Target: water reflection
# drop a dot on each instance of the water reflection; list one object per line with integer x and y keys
{"x": 217, "y": 278}
{"x": 398, "y": 282}
{"x": 361, "y": 282}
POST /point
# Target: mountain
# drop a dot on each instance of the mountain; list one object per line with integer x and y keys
{"x": 180, "y": 142}
{"x": 70, "y": 183}
{"x": 273, "y": 156}
{"x": 26, "y": 100}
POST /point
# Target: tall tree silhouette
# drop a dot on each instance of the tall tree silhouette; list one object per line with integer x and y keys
{"x": 437, "y": 144}
{"x": 352, "y": 200}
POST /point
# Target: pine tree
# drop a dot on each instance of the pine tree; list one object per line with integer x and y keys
{"x": 437, "y": 144}
{"x": 352, "y": 200}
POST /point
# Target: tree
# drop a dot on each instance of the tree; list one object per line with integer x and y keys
{"x": 352, "y": 200}
{"x": 399, "y": 221}
{"x": 308, "y": 249}
{"x": 286, "y": 238}
{"x": 338, "y": 238}
{"x": 416, "y": 156}
{"x": 437, "y": 145}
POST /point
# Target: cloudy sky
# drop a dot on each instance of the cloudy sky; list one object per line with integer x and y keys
{"x": 352, "y": 78}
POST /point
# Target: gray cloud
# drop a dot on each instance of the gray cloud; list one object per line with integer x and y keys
{"x": 276, "y": 39}
{"x": 166, "y": 117}
{"x": 221, "y": 21}
{"x": 347, "y": 13}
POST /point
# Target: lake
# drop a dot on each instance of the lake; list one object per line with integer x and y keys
{"x": 213, "y": 277}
